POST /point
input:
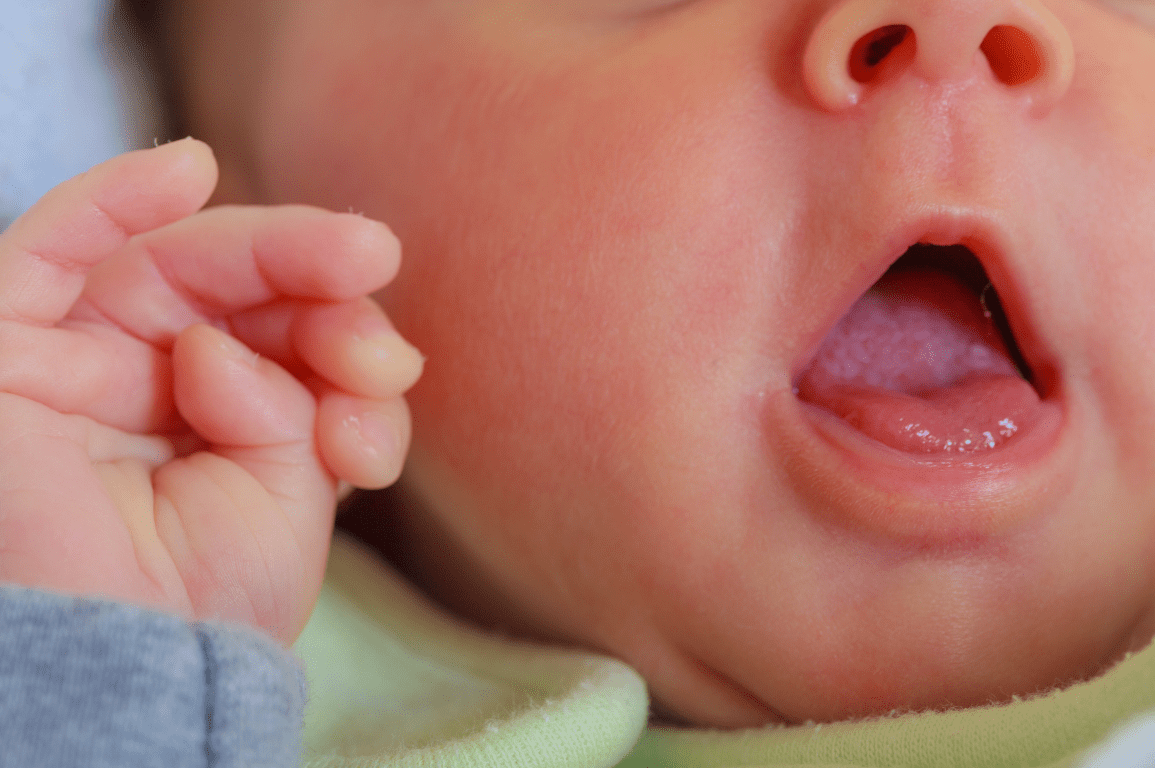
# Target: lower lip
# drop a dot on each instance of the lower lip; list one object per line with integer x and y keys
{"x": 936, "y": 500}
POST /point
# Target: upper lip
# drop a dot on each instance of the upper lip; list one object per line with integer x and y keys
{"x": 939, "y": 501}
{"x": 982, "y": 234}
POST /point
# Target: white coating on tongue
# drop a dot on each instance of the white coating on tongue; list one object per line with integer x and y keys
{"x": 918, "y": 365}
{"x": 911, "y": 345}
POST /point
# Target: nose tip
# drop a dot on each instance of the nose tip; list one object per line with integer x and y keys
{"x": 860, "y": 44}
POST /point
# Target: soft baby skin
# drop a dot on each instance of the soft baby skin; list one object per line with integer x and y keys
{"x": 638, "y": 232}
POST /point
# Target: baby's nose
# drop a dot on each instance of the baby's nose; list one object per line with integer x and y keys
{"x": 860, "y": 45}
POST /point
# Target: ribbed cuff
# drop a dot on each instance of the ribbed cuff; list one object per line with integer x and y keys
{"x": 93, "y": 683}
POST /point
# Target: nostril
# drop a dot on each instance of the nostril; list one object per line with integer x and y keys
{"x": 860, "y": 47}
{"x": 1013, "y": 54}
{"x": 872, "y": 49}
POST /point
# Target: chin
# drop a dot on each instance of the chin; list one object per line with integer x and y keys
{"x": 948, "y": 471}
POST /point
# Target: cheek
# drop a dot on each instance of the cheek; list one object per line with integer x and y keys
{"x": 590, "y": 238}
{"x": 561, "y": 319}
{"x": 594, "y": 260}
{"x": 1108, "y": 219}
{"x": 576, "y": 307}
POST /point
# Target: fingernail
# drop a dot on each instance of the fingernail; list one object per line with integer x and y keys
{"x": 390, "y": 362}
{"x": 377, "y": 433}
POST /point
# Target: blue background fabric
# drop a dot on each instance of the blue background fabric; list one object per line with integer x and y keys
{"x": 71, "y": 95}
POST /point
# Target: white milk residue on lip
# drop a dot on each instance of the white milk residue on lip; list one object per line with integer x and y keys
{"x": 967, "y": 441}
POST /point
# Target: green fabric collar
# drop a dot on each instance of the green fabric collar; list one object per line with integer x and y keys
{"x": 395, "y": 681}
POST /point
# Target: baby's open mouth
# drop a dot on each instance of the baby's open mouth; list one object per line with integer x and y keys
{"x": 925, "y": 361}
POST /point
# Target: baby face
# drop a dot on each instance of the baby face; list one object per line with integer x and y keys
{"x": 665, "y": 413}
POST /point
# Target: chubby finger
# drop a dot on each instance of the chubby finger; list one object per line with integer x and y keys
{"x": 232, "y": 259}
{"x": 101, "y": 443}
{"x": 46, "y": 253}
{"x": 363, "y": 442}
{"x": 233, "y": 397}
{"x": 91, "y": 370}
{"x": 247, "y": 521}
{"x": 355, "y": 347}
{"x": 350, "y": 344}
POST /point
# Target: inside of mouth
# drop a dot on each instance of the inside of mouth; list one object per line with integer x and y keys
{"x": 925, "y": 361}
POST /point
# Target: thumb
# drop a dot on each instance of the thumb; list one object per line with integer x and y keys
{"x": 255, "y": 511}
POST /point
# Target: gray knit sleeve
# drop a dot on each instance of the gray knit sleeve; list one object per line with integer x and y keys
{"x": 93, "y": 683}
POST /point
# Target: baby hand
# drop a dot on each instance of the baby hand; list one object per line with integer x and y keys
{"x": 180, "y": 391}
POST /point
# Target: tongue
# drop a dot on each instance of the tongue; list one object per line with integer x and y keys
{"x": 918, "y": 365}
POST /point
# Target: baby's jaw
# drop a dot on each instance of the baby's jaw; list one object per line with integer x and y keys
{"x": 619, "y": 265}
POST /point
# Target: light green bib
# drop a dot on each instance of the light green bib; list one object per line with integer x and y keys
{"x": 395, "y": 681}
